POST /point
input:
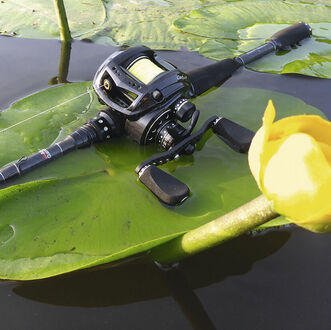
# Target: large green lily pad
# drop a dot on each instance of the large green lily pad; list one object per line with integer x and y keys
{"x": 114, "y": 22}
{"x": 236, "y": 27}
{"x": 88, "y": 207}
{"x": 218, "y": 29}
{"x": 149, "y": 23}
{"x": 37, "y": 18}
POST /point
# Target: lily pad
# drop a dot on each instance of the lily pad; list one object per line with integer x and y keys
{"x": 236, "y": 27}
{"x": 218, "y": 29}
{"x": 37, "y": 19}
{"x": 116, "y": 22}
{"x": 134, "y": 23}
{"x": 88, "y": 207}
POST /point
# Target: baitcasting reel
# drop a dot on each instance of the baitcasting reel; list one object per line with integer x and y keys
{"x": 147, "y": 99}
{"x": 152, "y": 97}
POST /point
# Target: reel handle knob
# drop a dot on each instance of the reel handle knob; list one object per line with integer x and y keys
{"x": 237, "y": 137}
{"x": 163, "y": 185}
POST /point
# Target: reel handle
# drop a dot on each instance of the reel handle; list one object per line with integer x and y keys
{"x": 170, "y": 190}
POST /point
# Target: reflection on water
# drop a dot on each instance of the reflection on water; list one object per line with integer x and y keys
{"x": 64, "y": 64}
{"x": 115, "y": 286}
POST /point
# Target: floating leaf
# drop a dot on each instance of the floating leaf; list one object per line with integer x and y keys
{"x": 108, "y": 22}
{"x": 218, "y": 29}
{"x": 37, "y": 19}
{"x": 149, "y": 23}
{"x": 54, "y": 109}
{"x": 88, "y": 207}
{"x": 236, "y": 27}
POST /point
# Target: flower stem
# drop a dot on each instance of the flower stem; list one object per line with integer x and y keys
{"x": 63, "y": 21}
{"x": 230, "y": 225}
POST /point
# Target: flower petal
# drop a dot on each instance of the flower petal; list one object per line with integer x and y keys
{"x": 291, "y": 163}
{"x": 298, "y": 179}
{"x": 260, "y": 138}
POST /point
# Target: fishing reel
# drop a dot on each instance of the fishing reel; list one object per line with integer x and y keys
{"x": 147, "y": 99}
{"x": 149, "y": 94}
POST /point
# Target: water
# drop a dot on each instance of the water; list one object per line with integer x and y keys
{"x": 278, "y": 280}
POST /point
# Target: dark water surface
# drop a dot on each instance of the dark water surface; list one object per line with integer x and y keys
{"x": 278, "y": 280}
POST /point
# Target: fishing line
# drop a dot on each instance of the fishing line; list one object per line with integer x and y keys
{"x": 143, "y": 68}
{"x": 47, "y": 110}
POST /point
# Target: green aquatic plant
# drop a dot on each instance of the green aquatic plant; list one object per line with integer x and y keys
{"x": 232, "y": 28}
{"x": 217, "y": 29}
{"x": 63, "y": 20}
{"x": 38, "y": 18}
{"x": 114, "y": 22}
{"x": 88, "y": 208}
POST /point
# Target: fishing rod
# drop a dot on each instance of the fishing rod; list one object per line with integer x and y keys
{"x": 147, "y": 99}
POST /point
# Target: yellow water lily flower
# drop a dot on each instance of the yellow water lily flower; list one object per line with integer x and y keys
{"x": 290, "y": 160}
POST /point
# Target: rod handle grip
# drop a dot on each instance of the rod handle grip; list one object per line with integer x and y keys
{"x": 212, "y": 75}
{"x": 291, "y": 35}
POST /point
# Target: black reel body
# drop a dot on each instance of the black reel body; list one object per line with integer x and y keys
{"x": 150, "y": 103}
{"x": 147, "y": 99}
{"x": 121, "y": 86}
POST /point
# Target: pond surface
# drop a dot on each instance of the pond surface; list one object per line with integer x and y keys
{"x": 275, "y": 280}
